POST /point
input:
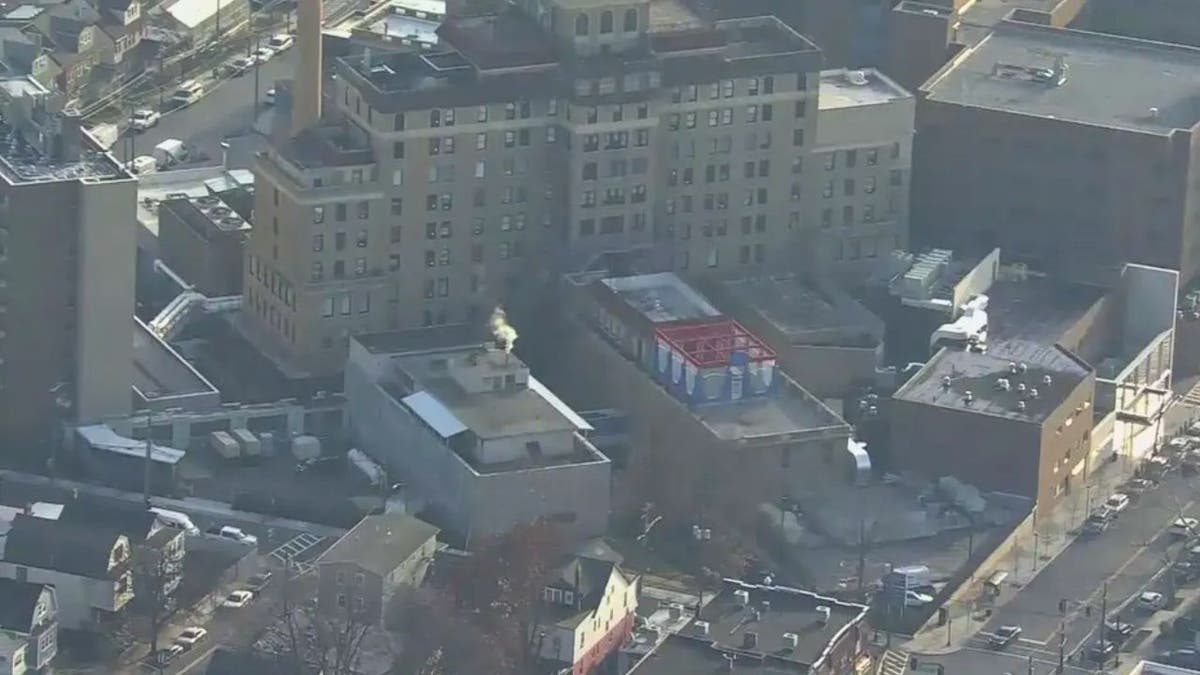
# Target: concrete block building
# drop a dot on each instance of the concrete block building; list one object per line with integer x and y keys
{"x": 479, "y": 442}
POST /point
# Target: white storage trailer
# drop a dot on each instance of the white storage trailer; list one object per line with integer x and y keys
{"x": 251, "y": 447}
{"x": 224, "y": 445}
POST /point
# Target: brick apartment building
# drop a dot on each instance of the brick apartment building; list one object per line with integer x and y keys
{"x": 1067, "y": 149}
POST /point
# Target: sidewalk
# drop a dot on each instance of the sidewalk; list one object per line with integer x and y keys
{"x": 1052, "y": 534}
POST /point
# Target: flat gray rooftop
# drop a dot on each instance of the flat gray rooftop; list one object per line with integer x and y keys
{"x": 803, "y": 310}
{"x": 1036, "y": 309}
{"x": 159, "y": 371}
{"x": 661, "y": 297}
{"x": 844, "y": 88}
{"x": 978, "y": 374}
{"x": 1110, "y": 81}
{"x": 791, "y": 611}
{"x": 788, "y": 410}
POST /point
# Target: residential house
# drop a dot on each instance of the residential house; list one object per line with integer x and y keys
{"x": 22, "y": 48}
{"x": 121, "y": 28}
{"x": 158, "y": 551}
{"x": 360, "y": 573}
{"x": 70, "y": 31}
{"x": 587, "y": 613}
{"x": 203, "y": 21}
{"x": 28, "y": 627}
{"x": 88, "y": 567}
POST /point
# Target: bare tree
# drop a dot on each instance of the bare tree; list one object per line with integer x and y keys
{"x": 156, "y": 575}
{"x": 328, "y": 643}
{"x": 501, "y": 584}
{"x": 430, "y": 636}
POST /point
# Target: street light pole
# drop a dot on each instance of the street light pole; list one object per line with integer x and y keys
{"x": 149, "y": 446}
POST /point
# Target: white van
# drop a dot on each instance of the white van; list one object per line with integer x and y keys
{"x": 187, "y": 93}
{"x": 175, "y": 519}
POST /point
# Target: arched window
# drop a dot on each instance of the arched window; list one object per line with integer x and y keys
{"x": 606, "y": 22}
{"x": 581, "y": 24}
{"x": 630, "y": 20}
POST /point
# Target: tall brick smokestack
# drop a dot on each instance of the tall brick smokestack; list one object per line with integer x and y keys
{"x": 306, "y": 99}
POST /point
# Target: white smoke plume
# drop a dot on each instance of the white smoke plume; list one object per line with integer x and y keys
{"x": 504, "y": 333}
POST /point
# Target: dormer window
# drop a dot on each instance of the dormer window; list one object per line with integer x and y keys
{"x": 606, "y": 22}
{"x": 568, "y": 598}
{"x": 631, "y": 20}
{"x": 581, "y": 25}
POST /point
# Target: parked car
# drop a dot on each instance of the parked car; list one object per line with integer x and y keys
{"x": 144, "y": 119}
{"x": 164, "y": 656}
{"x": 187, "y": 93}
{"x": 1098, "y": 521}
{"x": 235, "y": 534}
{"x": 1117, "y": 502}
{"x": 1118, "y": 629}
{"x": 1183, "y": 527}
{"x": 269, "y": 97}
{"x": 175, "y": 519}
{"x": 258, "y": 582}
{"x": 915, "y": 599}
{"x": 1184, "y": 657}
{"x": 263, "y": 54}
{"x": 1138, "y": 485}
{"x": 1004, "y": 636}
{"x": 1185, "y": 571}
{"x": 280, "y": 42}
{"x": 323, "y": 464}
{"x": 237, "y": 599}
{"x": 1100, "y": 651}
{"x": 1151, "y": 601}
{"x": 240, "y": 65}
{"x": 190, "y": 636}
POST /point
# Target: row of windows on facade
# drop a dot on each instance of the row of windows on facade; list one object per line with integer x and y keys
{"x": 523, "y": 109}
{"x": 272, "y": 281}
{"x": 506, "y": 250}
{"x": 870, "y": 155}
{"x": 728, "y": 89}
{"x": 712, "y": 256}
{"x": 859, "y": 248}
{"x": 723, "y": 145}
{"x": 719, "y": 201}
{"x": 613, "y": 196}
{"x": 665, "y": 230}
{"x": 445, "y": 117}
{"x": 849, "y": 185}
{"x": 724, "y": 116}
{"x": 720, "y": 173}
{"x": 720, "y": 228}
{"x": 629, "y": 24}
{"x": 868, "y": 214}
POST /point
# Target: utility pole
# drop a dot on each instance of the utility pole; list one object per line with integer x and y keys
{"x": 862, "y": 552}
{"x": 149, "y": 446}
{"x": 257, "y": 63}
{"x": 1031, "y": 664}
{"x": 1062, "y": 647}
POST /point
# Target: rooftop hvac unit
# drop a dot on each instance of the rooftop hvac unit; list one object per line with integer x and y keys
{"x": 791, "y": 640}
{"x": 742, "y": 597}
{"x": 219, "y": 211}
{"x": 749, "y": 640}
{"x": 1003, "y": 384}
{"x": 968, "y": 397}
{"x": 700, "y": 627}
{"x": 1021, "y": 405}
{"x": 1047, "y": 380}
{"x": 823, "y": 612}
{"x": 1033, "y": 392}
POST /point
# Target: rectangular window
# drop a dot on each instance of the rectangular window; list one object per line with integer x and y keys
{"x": 318, "y": 214}
{"x": 481, "y": 141}
{"x": 398, "y": 150}
{"x": 361, "y": 240}
{"x": 318, "y": 242}
{"x": 480, "y": 169}
{"x": 798, "y": 137}
{"x": 360, "y": 267}
{"x": 872, "y": 157}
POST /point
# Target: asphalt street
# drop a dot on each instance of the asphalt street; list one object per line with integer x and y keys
{"x": 226, "y": 111}
{"x": 1126, "y": 557}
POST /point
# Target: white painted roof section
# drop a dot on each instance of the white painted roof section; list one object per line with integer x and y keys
{"x": 46, "y": 510}
{"x": 436, "y": 415}
{"x": 558, "y": 404}
{"x": 192, "y": 13}
{"x": 102, "y": 437}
